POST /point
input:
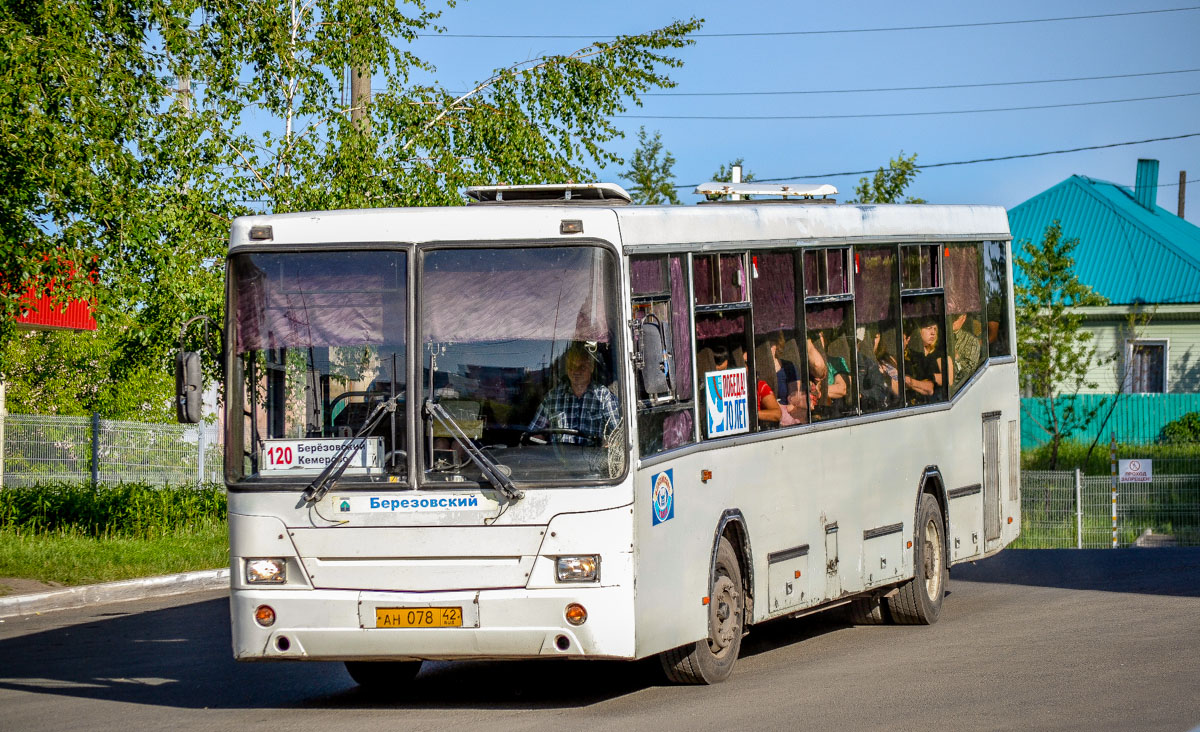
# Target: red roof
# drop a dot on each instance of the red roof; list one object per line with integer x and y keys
{"x": 40, "y": 313}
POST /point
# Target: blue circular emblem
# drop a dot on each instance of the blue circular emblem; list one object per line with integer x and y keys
{"x": 663, "y": 496}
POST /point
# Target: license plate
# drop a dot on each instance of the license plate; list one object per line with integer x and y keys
{"x": 418, "y": 617}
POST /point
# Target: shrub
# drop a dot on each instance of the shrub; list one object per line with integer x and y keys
{"x": 126, "y": 510}
{"x": 1183, "y": 430}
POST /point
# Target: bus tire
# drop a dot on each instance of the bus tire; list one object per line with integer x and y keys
{"x": 382, "y": 674}
{"x": 867, "y": 611}
{"x": 710, "y": 661}
{"x": 919, "y": 601}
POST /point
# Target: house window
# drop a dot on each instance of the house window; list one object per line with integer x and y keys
{"x": 1147, "y": 372}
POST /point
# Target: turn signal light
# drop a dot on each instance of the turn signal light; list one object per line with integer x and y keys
{"x": 576, "y": 614}
{"x": 264, "y": 615}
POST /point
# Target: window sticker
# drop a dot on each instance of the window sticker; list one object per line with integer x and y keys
{"x": 662, "y": 497}
{"x": 726, "y": 402}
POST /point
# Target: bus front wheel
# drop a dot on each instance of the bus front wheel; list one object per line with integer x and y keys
{"x": 919, "y": 601}
{"x": 382, "y": 674}
{"x": 711, "y": 660}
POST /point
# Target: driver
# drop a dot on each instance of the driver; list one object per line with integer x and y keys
{"x": 577, "y": 404}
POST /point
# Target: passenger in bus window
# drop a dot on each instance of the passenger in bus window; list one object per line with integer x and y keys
{"x": 924, "y": 375}
{"x": 770, "y": 413}
{"x": 831, "y": 380}
{"x": 876, "y": 386}
{"x": 794, "y": 400}
{"x": 967, "y": 346}
{"x": 578, "y": 411}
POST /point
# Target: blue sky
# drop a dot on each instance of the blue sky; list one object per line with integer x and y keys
{"x": 798, "y": 149}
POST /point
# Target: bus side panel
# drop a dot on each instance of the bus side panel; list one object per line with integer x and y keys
{"x": 844, "y": 499}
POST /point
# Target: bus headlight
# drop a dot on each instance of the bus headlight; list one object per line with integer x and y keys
{"x": 578, "y": 569}
{"x": 266, "y": 571}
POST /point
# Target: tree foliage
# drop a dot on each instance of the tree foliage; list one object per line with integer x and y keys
{"x": 890, "y": 183}
{"x": 57, "y": 372}
{"x": 651, "y": 176}
{"x": 78, "y": 83}
{"x": 132, "y": 173}
{"x": 1055, "y": 351}
{"x": 724, "y": 173}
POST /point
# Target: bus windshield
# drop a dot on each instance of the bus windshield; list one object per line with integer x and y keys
{"x": 320, "y": 342}
{"x": 518, "y": 347}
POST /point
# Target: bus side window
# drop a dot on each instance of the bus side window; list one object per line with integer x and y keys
{"x": 927, "y": 372}
{"x": 996, "y": 281}
{"x": 781, "y": 396}
{"x": 964, "y": 312}
{"x": 829, "y": 346}
{"x": 659, "y": 288}
{"x": 723, "y": 343}
{"x": 877, "y": 312}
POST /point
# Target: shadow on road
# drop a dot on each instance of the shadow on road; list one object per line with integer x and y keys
{"x": 1171, "y": 571}
{"x": 181, "y": 657}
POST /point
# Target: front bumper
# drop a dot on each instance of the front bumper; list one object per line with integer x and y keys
{"x": 337, "y": 625}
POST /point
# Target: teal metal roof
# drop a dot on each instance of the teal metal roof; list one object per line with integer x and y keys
{"x": 1127, "y": 253}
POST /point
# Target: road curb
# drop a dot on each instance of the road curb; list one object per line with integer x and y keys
{"x": 136, "y": 589}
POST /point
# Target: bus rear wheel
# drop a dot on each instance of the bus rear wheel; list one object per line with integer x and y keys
{"x": 382, "y": 674}
{"x": 919, "y": 601}
{"x": 868, "y": 611}
{"x": 710, "y": 661}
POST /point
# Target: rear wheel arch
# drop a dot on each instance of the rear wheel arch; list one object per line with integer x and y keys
{"x": 933, "y": 484}
{"x": 732, "y": 525}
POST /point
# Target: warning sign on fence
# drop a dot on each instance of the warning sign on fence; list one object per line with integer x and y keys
{"x": 1135, "y": 471}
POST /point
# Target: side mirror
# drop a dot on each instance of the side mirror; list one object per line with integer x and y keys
{"x": 653, "y": 362}
{"x": 189, "y": 387}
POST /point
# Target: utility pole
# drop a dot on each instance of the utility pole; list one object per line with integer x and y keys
{"x": 184, "y": 86}
{"x": 1182, "y": 187}
{"x": 360, "y": 97}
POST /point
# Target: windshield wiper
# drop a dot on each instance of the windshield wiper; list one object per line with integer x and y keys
{"x": 493, "y": 472}
{"x": 328, "y": 477}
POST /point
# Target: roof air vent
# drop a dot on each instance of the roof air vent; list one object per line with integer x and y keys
{"x": 603, "y": 194}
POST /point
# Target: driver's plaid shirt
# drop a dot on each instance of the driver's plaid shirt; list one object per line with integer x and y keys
{"x": 594, "y": 414}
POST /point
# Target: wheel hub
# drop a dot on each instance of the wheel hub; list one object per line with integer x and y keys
{"x": 723, "y": 622}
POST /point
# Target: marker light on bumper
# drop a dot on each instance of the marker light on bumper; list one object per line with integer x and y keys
{"x": 578, "y": 569}
{"x": 266, "y": 571}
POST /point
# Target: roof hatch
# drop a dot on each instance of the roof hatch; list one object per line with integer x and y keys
{"x": 607, "y": 194}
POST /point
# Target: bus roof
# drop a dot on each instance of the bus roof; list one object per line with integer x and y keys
{"x": 683, "y": 227}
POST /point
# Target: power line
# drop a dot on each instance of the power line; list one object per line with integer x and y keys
{"x": 890, "y": 29}
{"x": 901, "y": 114}
{"x": 382, "y": 90}
{"x": 914, "y": 88}
{"x": 977, "y": 160}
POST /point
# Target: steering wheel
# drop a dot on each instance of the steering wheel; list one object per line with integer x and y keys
{"x": 526, "y": 437}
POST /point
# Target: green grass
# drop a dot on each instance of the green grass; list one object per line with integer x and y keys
{"x": 126, "y": 510}
{"x": 76, "y": 559}
{"x": 75, "y": 534}
{"x": 1172, "y": 459}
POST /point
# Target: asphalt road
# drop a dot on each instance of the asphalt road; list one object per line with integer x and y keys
{"x": 1088, "y": 640}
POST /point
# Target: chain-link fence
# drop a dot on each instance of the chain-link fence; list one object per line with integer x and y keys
{"x": 1066, "y": 509}
{"x": 39, "y": 449}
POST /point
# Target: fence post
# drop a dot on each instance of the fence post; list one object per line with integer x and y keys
{"x": 202, "y": 445}
{"x": 3, "y": 414}
{"x": 1112, "y": 467}
{"x": 1078, "y": 508}
{"x": 95, "y": 448}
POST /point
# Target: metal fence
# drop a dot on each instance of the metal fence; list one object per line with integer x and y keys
{"x": 38, "y": 449}
{"x": 1066, "y": 509}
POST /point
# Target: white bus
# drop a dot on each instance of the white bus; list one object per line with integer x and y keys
{"x": 523, "y": 428}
